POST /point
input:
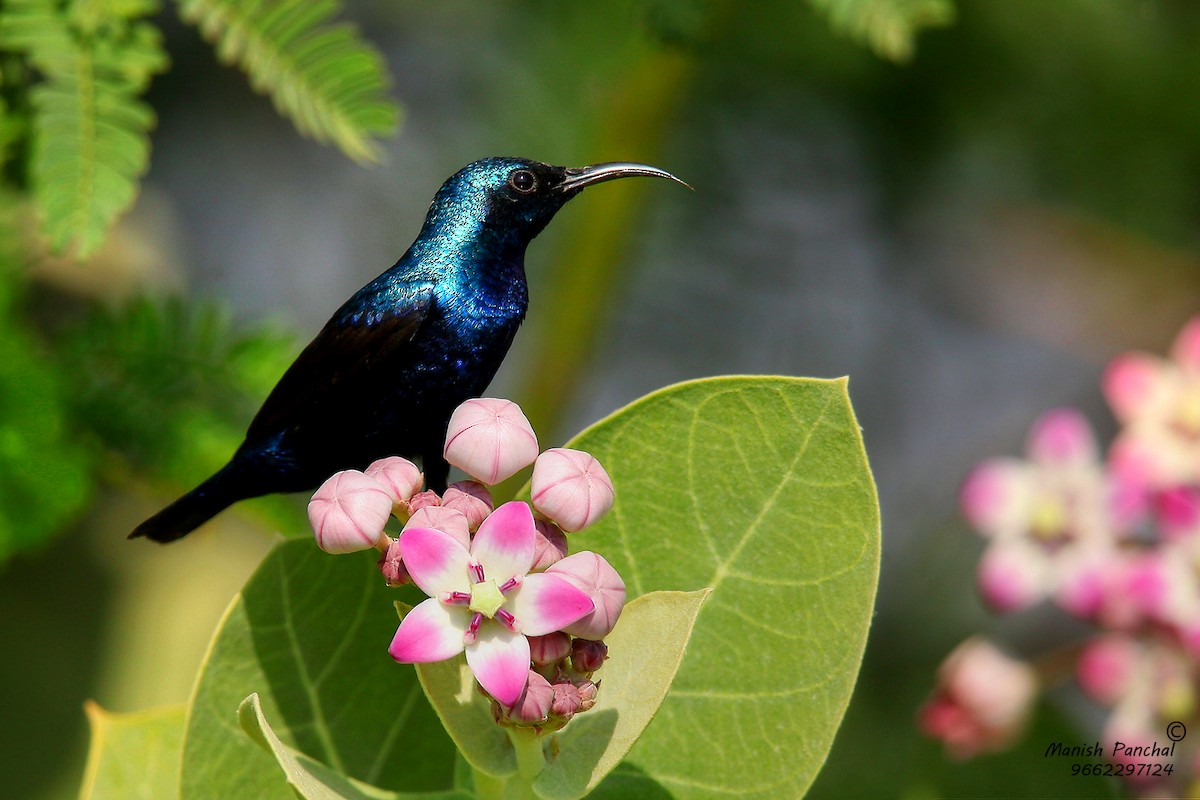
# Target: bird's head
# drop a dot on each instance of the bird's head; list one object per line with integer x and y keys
{"x": 516, "y": 197}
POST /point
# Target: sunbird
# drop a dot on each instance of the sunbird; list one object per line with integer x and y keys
{"x": 385, "y": 373}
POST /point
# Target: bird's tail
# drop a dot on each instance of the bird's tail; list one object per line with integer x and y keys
{"x": 198, "y": 506}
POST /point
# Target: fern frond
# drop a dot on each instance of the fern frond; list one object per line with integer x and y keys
{"x": 321, "y": 75}
{"x": 890, "y": 27}
{"x": 90, "y": 128}
{"x": 169, "y": 386}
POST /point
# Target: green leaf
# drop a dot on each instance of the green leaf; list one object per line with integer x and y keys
{"x": 467, "y": 717}
{"x": 890, "y": 27}
{"x": 309, "y": 635}
{"x": 133, "y": 756}
{"x": 91, "y": 139}
{"x": 311, "y": 779}
{"x": 322, "y": 76}
{"x": 645, "y": 650}
{"x": 759, "y": 488}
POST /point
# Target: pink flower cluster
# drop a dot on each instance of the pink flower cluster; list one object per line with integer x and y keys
{"x": 501, "y": 587}
{"x": 1112, "y": 541}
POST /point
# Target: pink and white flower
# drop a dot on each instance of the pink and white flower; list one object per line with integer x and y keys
{"x": 1052, "y": 519}
{"x": 1158, "y": 402}
{"x": 484, "y": 601}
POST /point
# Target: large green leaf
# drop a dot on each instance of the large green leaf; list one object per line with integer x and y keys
{"x": 309, "y": 635}
{"x": 133, "y": 756}
{"x": 759, "y": 488}
{"x": 645, "y": 650}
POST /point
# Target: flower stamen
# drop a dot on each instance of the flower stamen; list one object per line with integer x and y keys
{"x": 472, "y": 631}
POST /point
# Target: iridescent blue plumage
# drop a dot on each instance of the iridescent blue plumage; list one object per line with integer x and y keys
{"x": 384, "y": 374}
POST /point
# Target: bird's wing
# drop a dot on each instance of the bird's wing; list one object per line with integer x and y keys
{"x": 354, "y": 340}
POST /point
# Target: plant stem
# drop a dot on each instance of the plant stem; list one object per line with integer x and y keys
{"x": 487, "y": 787}
{"x": 530, "y": 761}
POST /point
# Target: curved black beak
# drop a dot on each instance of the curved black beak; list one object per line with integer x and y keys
{"x": 579, "y": 177}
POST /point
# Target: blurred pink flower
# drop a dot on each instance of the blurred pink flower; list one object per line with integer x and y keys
{"x": 1157, "y": 401}
{"x": 982, "y": 701}
{"x": 1051, "y": 519}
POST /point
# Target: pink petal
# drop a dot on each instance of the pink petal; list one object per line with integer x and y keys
{"x": 432, "y": 631}
{"x": 435, "y": 561}
{"x": 1130, "y": 383}
{"x": 1178, "y": 510}
{"x": 571, "y": 488}
{"x": 490, "y": 439}
{"x": 546, "y": 603}
{"x": 499, "y": 659}
{"x": 991, "y": 496}
{"x": 505, "y": 542}
{"x": 1012, "y": 576}
{"x": 1185, "y": 350}
{"x": 1084, "y": 587}
{"x": 1106, "y": 666}
{"x": 1062, "y": 436}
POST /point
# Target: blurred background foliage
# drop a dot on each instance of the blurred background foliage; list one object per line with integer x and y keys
{"x": 965, "y": 205}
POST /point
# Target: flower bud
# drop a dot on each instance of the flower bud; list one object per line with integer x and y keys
{"x": 982, "y": 701}
{"x": 550, "y": 545}
{"x": 348, "y": 512}
{"x": 587, "y": 694}
{"x": 472, "y": 499}
{"x": 392, "y": 566}
{"x": 591, "y": 573}
{"x": 533, "y": 706}
{"x": 440, "y": 518}
{"x": 566, "y": 700}
{"x": 571, "y": 488}
{"x": 423, "y": 500}
{"x": 549, "y": 649}
{"x": 490, "y": 439}
{"x": 588, "y": 655}
{"x": 399, "y": 476}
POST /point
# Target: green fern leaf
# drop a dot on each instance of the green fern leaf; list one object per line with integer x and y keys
{"x": 890, "y": 27}
{"x": 321, "y": 75}
{"x": 90, "y": 129}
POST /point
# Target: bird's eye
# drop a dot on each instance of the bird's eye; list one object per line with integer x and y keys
{"x": 523, "y": 181}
